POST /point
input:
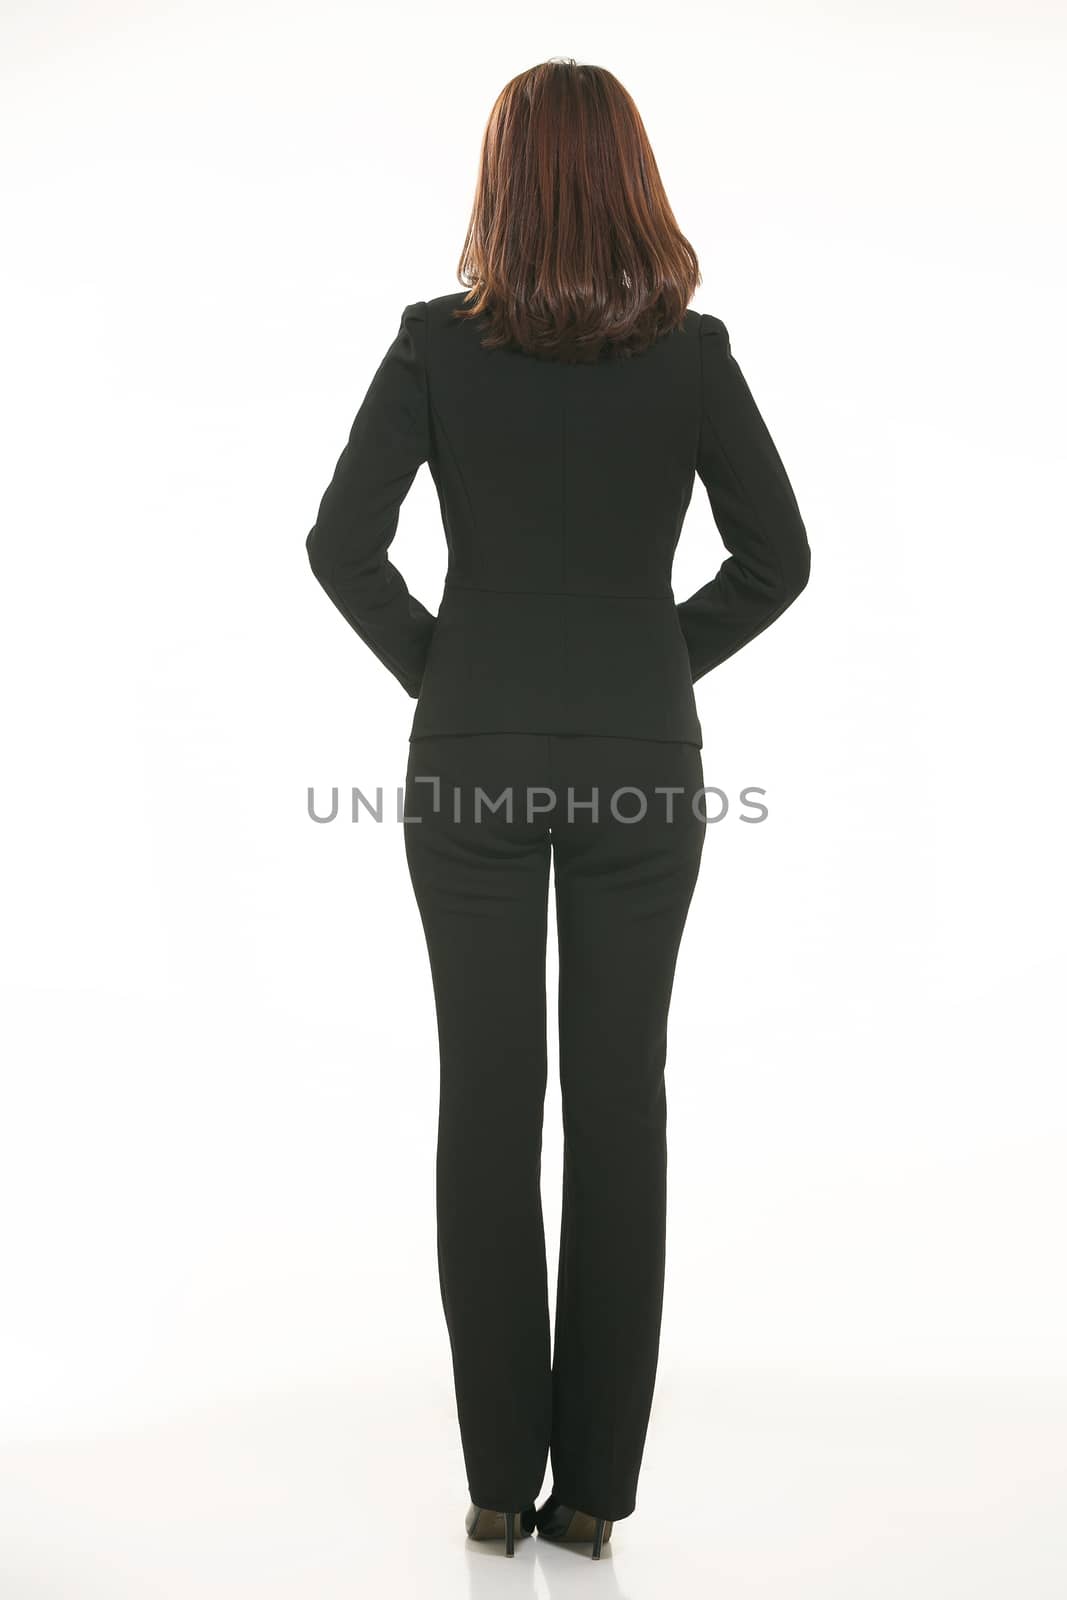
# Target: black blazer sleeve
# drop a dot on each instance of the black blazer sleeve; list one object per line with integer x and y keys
{"x": 754, "y": 509}
{"x": 359, "y": 512}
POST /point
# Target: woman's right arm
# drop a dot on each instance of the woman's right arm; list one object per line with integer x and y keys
{"x": 755, "y": 511}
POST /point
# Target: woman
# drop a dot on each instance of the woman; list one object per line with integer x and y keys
{"x": 564, "y": 404}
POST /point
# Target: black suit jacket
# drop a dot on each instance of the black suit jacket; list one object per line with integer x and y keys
{"x": 562, "y": 490}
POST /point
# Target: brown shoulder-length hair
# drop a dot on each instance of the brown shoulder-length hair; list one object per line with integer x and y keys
{"x": 572, "y": 250}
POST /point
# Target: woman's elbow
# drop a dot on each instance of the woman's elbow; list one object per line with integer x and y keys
{"x": 795, "y": 569}
{"x": 319, "y": 554}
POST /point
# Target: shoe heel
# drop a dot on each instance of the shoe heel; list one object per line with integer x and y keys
{"x": 511, "y": 1525}
{"x": 564, "y": 1525}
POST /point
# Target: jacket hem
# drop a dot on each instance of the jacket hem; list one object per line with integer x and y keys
{"x": 556, "y": 733}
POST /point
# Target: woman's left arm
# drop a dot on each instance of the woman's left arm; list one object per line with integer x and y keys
{"x": 359, "y": 512}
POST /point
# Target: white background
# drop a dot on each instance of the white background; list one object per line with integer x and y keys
{"x": 220, "y": 1078}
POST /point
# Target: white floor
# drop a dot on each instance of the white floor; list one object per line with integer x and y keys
{"x": 752, "y": 1486}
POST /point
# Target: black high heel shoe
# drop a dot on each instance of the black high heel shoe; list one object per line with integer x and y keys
{"x": 482, "y": 1524}
{"x": 566, "y": 1525}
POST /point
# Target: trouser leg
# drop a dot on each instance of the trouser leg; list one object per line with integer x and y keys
{"x": 482, "y": 892}
{"x": 623, "y": 891}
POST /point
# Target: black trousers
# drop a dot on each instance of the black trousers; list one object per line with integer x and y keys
{"x": 626, "y": 859}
